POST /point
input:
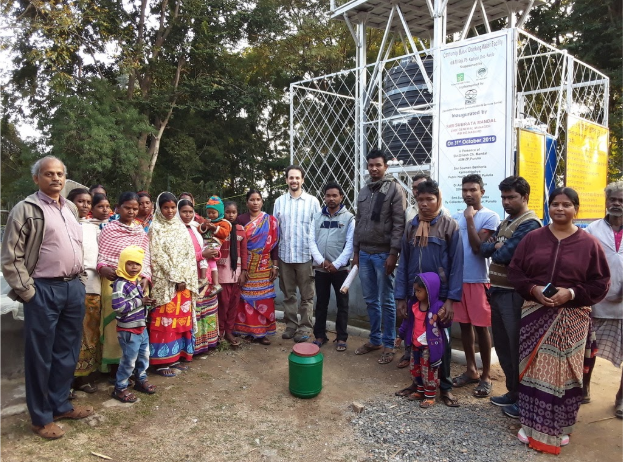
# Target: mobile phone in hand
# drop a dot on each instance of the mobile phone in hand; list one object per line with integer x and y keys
{"x": 549, "y": 290}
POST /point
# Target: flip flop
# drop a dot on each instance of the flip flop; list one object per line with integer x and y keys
{"x": 367, "y": 348}
{"x": 426, "y": 403}
{"x": 462, "y": 380}
{"x": 166, "y": 372}
{"x": 483, "y": 389}
{"x": 88, "y": 388}
{"x": 406, "y": 391}
{"x": 450, "y": 401}
{"x": 180, "y": 367}
{"x": 386, "y": 357}
{"x": 341, "y": 346}
{"x": 415, "y": 396}
{"x": 403, "y": 363}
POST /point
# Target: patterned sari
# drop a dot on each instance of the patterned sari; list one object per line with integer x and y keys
{"x": 555, "y": 344}
{"x": 255, "y": 314}
{"x": 173, "y": 319}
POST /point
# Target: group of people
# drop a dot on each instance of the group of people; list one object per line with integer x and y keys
{"x": 154, "y": 283}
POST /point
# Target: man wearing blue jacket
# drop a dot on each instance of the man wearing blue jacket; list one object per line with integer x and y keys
{"x": 432, "y": 243}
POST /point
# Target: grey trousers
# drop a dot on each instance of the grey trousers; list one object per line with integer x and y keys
{"x": 506, "y": 314}
{"x": 297, "y": 276}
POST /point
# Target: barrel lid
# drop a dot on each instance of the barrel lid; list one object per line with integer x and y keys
{"x": 306, "y": 349}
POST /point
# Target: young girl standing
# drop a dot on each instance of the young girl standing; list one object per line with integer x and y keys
{"x": 232, "y": 268}
{"x": 425, "y": 332}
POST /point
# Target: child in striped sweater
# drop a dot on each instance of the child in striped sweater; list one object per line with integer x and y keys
{"x": 130, "y": 304}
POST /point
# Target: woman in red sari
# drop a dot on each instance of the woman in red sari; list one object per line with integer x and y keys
{"x": 255, "y": 315}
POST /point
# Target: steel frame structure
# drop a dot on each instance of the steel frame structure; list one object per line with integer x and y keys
{"x": 337, "y": 118}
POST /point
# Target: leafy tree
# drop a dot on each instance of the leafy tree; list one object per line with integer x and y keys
{"x": 592, "y": 30}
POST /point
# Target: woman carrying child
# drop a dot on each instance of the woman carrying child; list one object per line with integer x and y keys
{"x": 174, "y": 288}
{"x": 206, "y": 305}
{"x": 89, "y": 356}
{"x": 115, "y": 237}
{"x": 130, "y": 306}
{"x": 425, "y": 332}
{"x": 232, "y": 269}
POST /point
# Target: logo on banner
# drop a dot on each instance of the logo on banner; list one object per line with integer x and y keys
{"x": 470, "y": 96}
{"x": 481, "y": 73}
{"x": 460, "y": 77}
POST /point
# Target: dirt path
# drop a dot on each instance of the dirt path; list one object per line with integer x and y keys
{"x": 235, "y": 405}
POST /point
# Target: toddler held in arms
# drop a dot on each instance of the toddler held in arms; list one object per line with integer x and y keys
{"x": 214, "y": 231}
{"x": 130, "y": 306}
{"x": 423, "y": 330}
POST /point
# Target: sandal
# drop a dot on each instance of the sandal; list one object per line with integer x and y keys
{"x": 406, "y": 391}
{"x": 166, "y": 372}
{"x": 230, "y": 338}
{"x": 124, "y": 396}
{"x": 417, "y": 396}
{"x": 88, "y": 388}
{"x": 145, "y": 387}
{"x": 462, "y": 380}
{"x": 265, "y": 341}
{"x": 404, "y": 362}
{"x": 367, "y": 348}
{"x": 426, "y": 403}
{"x": 386, "y": 357}
{"x": 49, "y": 431}
{"x": 72, "y": 395}
{"x": 79, "y": 412}
{"x": 341, "y": 345}
{"x": 449, "y": 399}
{"x": 180, "y": 367}
{"x": 619, "y": 408}
{"x": 482, "y": 390}
{"x": 320, "y": 341}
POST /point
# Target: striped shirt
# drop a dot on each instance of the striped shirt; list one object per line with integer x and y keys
{"x": 295, "y": 216}
{"x": 127, "y": 303}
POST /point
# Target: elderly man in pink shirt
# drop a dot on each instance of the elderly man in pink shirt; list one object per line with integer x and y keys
{"x": 42, "y": 260}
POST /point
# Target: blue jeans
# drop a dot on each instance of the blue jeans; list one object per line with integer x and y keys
{"x": 377, "y": 290}
{"x": 135, "y": 357}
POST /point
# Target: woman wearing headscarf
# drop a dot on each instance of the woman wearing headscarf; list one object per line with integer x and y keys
{"x": 174, "y": 288}
{"x": 115, "y": 237}
{"x": 432, "y": 243}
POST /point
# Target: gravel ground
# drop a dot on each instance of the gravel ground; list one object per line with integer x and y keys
{"x": 395, "y": 429}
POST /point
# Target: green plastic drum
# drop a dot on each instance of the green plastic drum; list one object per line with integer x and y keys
{"x": 305, "y": 370}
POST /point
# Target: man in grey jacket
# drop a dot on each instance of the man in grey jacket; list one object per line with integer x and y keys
{"x": 330, "y": 240}
{"x": 377, "y": 241}
{"x": 42, "y": 260}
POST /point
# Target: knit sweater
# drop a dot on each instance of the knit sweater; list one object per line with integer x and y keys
{"x": 127, "y": 304}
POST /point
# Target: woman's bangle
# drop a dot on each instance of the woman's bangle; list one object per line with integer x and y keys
{"x": 532, "y": 288}
{"x": 571, "y": 291}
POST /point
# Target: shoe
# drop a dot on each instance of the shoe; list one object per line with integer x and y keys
{"x": 288, "y": 334}
{"x": 564, "y": 440}
{"x": 511, "y": 411}
{"x": 521, "y": 435}
{"x": 502, "y": 400}
{"x": 619, "y": 408}
{"x": 300, "y": 337}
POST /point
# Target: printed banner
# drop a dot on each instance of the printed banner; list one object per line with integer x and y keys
{"x": 475, "y": 104}
{"x": 586, "y": 165}
{"x": 531, "y": 155}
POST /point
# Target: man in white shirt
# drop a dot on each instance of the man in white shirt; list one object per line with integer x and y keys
{"x": 294, "y": 211}
{"x": 331, "y": 248}
{"x": 609, "y": 313}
